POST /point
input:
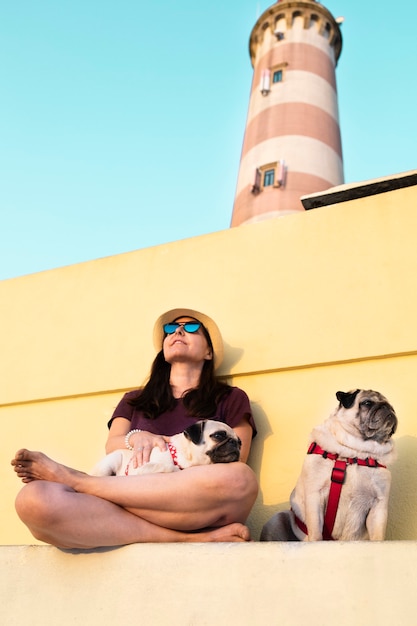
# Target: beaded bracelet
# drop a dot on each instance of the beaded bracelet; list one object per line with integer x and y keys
{"x": 128, "y": 436}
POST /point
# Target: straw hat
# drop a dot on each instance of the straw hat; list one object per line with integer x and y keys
{"x": 208, "y": 323}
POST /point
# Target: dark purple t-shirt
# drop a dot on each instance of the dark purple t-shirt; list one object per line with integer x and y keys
{"x": 231, "y": 410}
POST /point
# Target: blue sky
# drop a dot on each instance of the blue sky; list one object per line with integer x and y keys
{"x": 121, "y": 123}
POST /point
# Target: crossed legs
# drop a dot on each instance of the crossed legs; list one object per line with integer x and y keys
{"x": 70, "y": 509}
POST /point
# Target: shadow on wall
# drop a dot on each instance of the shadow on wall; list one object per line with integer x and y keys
{"x": 261, "y": 512}
{"x": 232, "y": 356}
{"x": 402, "y": 522}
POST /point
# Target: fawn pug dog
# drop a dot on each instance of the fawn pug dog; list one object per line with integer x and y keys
{"x": 202, "y": 443}
{"x": 349, "y": 451}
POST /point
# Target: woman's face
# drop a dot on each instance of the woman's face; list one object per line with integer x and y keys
{"x": 183, "y": 347}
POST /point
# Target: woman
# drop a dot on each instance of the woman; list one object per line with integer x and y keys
{"x": 70, "y": 509}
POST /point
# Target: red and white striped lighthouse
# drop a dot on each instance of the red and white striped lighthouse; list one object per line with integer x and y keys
{"x": 292, "y": 144}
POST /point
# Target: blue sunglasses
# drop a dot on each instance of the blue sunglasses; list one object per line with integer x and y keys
{"x": 189, "y": 327}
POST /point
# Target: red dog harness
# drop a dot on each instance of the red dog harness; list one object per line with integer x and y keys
{"x": 337, "y": 479}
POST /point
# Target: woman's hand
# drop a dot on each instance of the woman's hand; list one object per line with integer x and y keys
{"x": 143, "y": 443}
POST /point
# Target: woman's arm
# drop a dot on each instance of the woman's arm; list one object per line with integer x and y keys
{"x": 244, "y": 431}
{"x": 121, "y": 426}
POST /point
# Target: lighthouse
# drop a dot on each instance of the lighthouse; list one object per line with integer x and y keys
{"x": 292, "y": 144}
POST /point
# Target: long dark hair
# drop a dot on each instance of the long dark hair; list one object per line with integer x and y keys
{"x": 156, "y": 396}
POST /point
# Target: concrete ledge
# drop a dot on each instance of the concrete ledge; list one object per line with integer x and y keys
{"x": 355, "y": 191}
{"x": 207, "y": 584}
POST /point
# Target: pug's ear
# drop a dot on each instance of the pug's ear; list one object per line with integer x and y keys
{"x": 347, "y": 399}
{"x": 195, "y": 432}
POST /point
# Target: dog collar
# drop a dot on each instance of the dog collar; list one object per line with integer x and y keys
{"x": 173, "y": 451}
{"x": 337, "y": 480}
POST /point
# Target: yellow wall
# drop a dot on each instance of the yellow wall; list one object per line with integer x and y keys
{"x": 307, "y": 304}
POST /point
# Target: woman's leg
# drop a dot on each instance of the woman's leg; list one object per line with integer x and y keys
{"x": 58, "y": 515}
{"x": 70, "y": 509}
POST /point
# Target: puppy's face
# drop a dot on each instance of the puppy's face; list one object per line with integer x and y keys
{"x": 217, "y": 440}
{"x": 369, "y": 412}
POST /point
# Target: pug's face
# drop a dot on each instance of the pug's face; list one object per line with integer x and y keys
{"x": 369, "y": 412}
{"x": 216, "y": 440}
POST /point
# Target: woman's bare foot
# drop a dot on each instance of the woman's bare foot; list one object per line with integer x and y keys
{"x": 31, "y": 466}
{"x": 232, "y": 532}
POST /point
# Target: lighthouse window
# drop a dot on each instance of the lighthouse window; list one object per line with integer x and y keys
{"x": 269, "y": 176}
{"x": 277, "y": 76}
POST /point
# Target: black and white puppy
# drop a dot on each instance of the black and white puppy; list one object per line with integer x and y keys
{"x": 202, "y": 443}
{"x": 352, "y": 449}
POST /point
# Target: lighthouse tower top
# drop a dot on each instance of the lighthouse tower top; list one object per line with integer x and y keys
{"x": 285, "y": 11}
